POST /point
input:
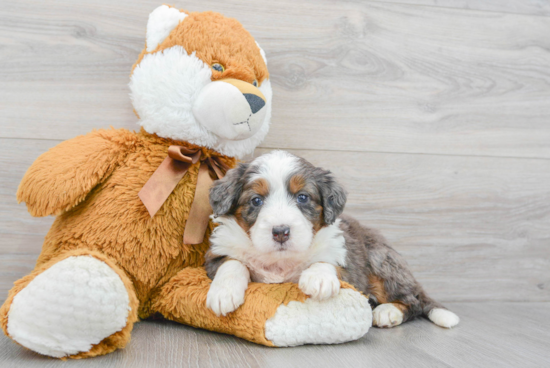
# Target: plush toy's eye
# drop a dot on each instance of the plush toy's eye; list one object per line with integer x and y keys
{"x": 218, "y": 67}
{"x": 302, "y": 198}
{"x": 255, "y": 83}
{"x": 257, "y": 201}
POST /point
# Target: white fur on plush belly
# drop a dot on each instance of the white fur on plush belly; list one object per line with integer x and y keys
{"x": 345, "y": 317}
{"x": 71, "y": 306}
{"x": 229, "y": 239}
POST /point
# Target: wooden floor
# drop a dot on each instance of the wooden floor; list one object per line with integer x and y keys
{"x": 435, "y": 114}
{"x": 489, "y": 336}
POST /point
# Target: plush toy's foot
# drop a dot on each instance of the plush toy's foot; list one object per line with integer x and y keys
{"x": 78, "y": 306}
{"x": 345, "y": 317}
{"x": 272, "y": 314}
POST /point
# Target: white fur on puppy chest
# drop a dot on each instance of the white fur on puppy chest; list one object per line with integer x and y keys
{"x": 71, "y": 306}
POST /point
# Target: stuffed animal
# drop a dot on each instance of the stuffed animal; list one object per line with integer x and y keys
{"x": 132, "y": 208}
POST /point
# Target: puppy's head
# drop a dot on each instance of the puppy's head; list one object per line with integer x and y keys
{"x": 279, "y": 200}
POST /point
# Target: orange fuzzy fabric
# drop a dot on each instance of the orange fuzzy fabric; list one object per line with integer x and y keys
{"x": 110, "y": 218}
{"x": 92, "y": 182}
{"x": 183, "y": 298}
{"x": 217, "y": 39}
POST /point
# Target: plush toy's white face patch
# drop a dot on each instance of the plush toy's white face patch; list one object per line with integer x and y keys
{"x": 174, "y": 95}
{"x": 227, "y": 108}
{"x": 164, "y": 87}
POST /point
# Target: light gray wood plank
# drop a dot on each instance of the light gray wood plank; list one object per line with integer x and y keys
{"x": 490, "y": 335}
{"x": 21, "y": 235}
{"x": 365, "y": 76}
{"x": 471, "y": 228}
{"x": 18, "y": 255}
{"x": 533, "y": 7}
{"x": 16, "y": 156}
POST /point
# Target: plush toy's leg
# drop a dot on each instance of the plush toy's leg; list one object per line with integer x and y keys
{"x": 272, "y": 314}
{"x": 77, "y": 305}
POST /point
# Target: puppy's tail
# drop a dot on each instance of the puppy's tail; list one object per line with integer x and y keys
{"x": 436, "y": 312}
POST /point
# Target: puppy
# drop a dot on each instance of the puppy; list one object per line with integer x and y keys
{"x": 279, "y": 221}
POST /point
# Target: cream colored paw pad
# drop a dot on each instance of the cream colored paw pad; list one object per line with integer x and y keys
{"x": 71, "y": 306}
{"x": 345, "y": 317}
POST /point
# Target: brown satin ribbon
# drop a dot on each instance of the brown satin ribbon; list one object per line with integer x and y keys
{"x": 167, "y": 176}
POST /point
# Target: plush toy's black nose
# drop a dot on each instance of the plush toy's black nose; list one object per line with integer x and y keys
{"x": 281, "y": 233}
{"x": 255, "y": 102}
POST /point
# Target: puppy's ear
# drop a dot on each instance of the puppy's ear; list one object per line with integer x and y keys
{"x": 333, "y": 196}
{"x": 225, "y": 192}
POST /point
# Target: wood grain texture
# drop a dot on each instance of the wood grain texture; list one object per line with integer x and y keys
{"x": 533, "y": 7}
{"x": 490, "y": 335}
{"x": 21, "y": 235}
{"x": 375, "y": 76}
{"x": 16, "y": 156}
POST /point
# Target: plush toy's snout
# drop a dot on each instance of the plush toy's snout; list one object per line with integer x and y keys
{"x": 230, "y": 108}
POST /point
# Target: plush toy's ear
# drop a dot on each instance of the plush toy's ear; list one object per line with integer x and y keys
{"x": 262, "y": 52}
{"x": 161, "y": 22}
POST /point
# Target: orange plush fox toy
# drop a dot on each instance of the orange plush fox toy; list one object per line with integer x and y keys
{"x": 132, "y": 227}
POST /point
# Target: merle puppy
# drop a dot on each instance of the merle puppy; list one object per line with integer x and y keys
{"x": 280, "y": 221}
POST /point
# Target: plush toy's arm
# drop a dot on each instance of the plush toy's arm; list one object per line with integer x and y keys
{"x": 62, "y": 177}
{"x": 272, "y": 314}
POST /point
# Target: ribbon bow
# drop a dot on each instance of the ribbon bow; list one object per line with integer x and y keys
{"x": 163, "y": 181}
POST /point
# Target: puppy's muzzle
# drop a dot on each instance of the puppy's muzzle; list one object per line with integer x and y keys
{"x": 281, "y": 233}
{"x": 230, "y": 108}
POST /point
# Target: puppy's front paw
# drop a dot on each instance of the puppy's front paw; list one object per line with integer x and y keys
{"x": 320, "y": 281}
{"x": 227, "y": 291}
{"x": 387, "y": 315}
{"x": 224, "y": 299}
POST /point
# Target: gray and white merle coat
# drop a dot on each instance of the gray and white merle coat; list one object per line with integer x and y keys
{"x": 280, "y": 221}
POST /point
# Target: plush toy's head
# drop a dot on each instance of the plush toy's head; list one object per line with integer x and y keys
{"x": 203, "y": 79}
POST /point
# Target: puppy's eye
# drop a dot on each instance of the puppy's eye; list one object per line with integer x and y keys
{"x": 218, "y": 67}
{"x": 257, "y": 201}
{"x": 302, "y": 198}
{"x": 255, "y": 83}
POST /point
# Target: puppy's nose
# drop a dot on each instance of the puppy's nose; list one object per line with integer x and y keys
{"x": 256, "y": 102}
{"x": 281, "y": 233}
